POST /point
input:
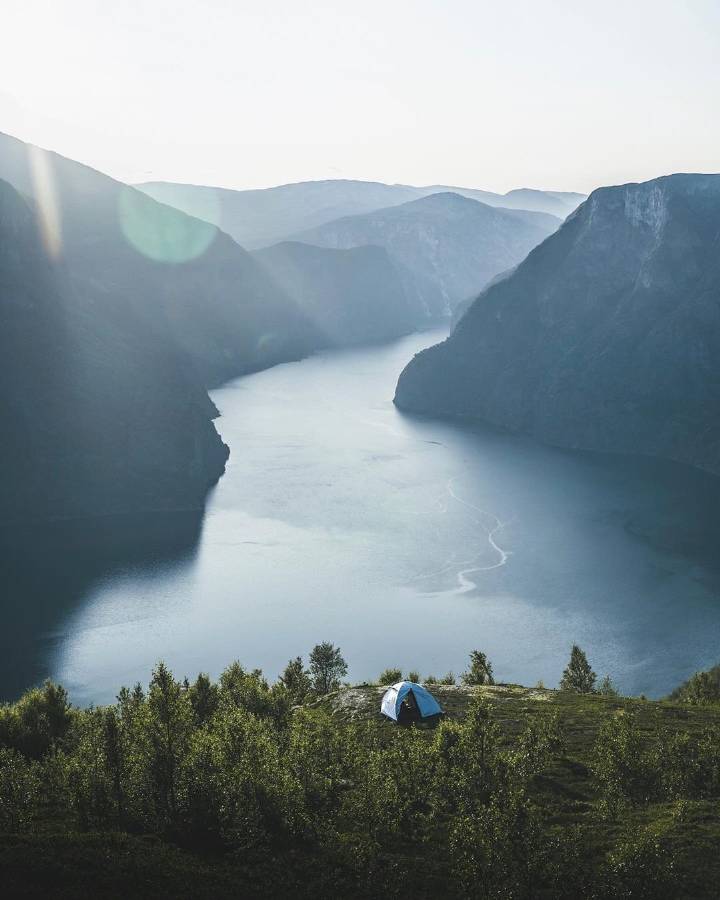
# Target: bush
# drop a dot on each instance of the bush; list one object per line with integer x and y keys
{"x": 623, "y": 768}
{"x": 390, "y": 676}
{"x": 19, "y": 791}
{"x": 414, "y": 677}
{"x": 480, "y": 671}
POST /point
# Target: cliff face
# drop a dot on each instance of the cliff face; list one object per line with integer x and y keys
{"x": 100, "y": 413}
{"x": 443, "y": 243}
{"x": 607, "y": 337}
{"x": 219, "y": 305}
{"x": 354, "y": 296}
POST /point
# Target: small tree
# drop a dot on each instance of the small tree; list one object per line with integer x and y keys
{"x": 296, "y": 680}
{"x": 480, "y": 671}
{"x": 578, "y": 676}
{"x": 327, "y": 667}
{"x": 607, "y": 688}
{"x": 414, "y": 677}
{"x": 390, "y": 676}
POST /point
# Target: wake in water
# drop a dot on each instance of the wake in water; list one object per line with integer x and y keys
{"x": 495, "y": 526}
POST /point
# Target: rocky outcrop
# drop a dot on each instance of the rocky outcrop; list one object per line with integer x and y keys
{"x": 607, "y": 337}
{"x": 99, "y": 411}
{"x": 451, "y": 243}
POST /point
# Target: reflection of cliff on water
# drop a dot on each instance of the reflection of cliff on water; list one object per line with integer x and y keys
{"x": 46, "y": 572}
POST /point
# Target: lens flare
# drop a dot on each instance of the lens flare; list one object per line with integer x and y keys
{"x": 160, "y": 232}
{"x": 46, "y": 202}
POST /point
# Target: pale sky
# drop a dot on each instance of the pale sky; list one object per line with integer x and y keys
{"x": 494, "y": 94}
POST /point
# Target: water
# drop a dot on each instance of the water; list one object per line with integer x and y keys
{"x": 407, "y": 541}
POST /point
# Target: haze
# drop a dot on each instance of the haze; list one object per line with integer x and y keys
{"x": 560, "y": 95}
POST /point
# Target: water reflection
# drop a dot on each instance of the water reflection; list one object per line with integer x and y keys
{"x": 406, "y": 541}
{"x": 48, "y": 572}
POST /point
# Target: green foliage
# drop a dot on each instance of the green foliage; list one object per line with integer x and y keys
{"x": 296, "y": 680}
{"x": 640, "y": 868}
{"x": 414, "y": 677}
{"x": 606, "y": 688}
{"x": 578, "y": 676}
{"x": 19, "y": 791}
{"x": 37, "y": 722}
{"x": 390, "y": 676}
{"x": 480, "y": 671}
{"x": 204, "y": 698}
{"x": 327, "y": 667}
{"x": 623, "y": 767}
{"x": 448, "y": 678}
{"x": 701, "y": 689}
{"x": 316, "y": 801}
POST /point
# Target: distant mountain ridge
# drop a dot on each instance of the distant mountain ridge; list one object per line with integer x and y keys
{"x": 219, "y": 304}
{"x": 607, "y": 337}
{"x": 258, "y": 218}
{"x": 453, "y": 243}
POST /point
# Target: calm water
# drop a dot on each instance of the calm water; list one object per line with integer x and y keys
{"x": 408, "y": 542}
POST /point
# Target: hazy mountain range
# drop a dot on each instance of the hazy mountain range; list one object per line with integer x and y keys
{"x": 605, "y": 338}
{"x": 450, "y": 242}
{"x": 258, "y": 218}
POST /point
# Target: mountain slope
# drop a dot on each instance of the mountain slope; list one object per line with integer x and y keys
{"x": 98, "y": 411}
{"x": 449, "y": 241}
{"x": 607, "y": 337}
{"x": 217, "y": 301}
{"x": 354, "y": 296}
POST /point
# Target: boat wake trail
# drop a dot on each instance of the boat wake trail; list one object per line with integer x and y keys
{"x": 492, "y": 526}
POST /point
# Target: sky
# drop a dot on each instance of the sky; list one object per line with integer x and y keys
{"x": 492, "y": 94}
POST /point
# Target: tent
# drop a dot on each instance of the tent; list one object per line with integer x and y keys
{"x": 407, "y": 702}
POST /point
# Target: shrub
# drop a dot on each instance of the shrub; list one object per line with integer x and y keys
{"x": 19, "y": 791}
{"x": 480, "y": 671}
{"x": 414, "y": 677}
{"x": 390, "y": 676}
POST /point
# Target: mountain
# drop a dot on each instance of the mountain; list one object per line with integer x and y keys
{"x": 607, "y": 337}
{"x": 444, "y": 240}
{"x": 354, "y": 296}
{"x": 554, "y": 203}
{"x": 217, "y": 301}
{"x": 99, "y": 411}
{"x": 258, "y": 218}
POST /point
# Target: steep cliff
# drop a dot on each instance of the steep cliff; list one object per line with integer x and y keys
{"x": 100, "y": 413}
{"x": 607, "y": 337}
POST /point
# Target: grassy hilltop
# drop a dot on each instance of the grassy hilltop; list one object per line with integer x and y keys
{"x": 236, "y": 789}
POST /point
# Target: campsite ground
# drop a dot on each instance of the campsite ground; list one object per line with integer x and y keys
{"x": 54, "y": 861}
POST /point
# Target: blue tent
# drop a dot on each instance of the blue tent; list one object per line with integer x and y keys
{"x": 409, "y": 702}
